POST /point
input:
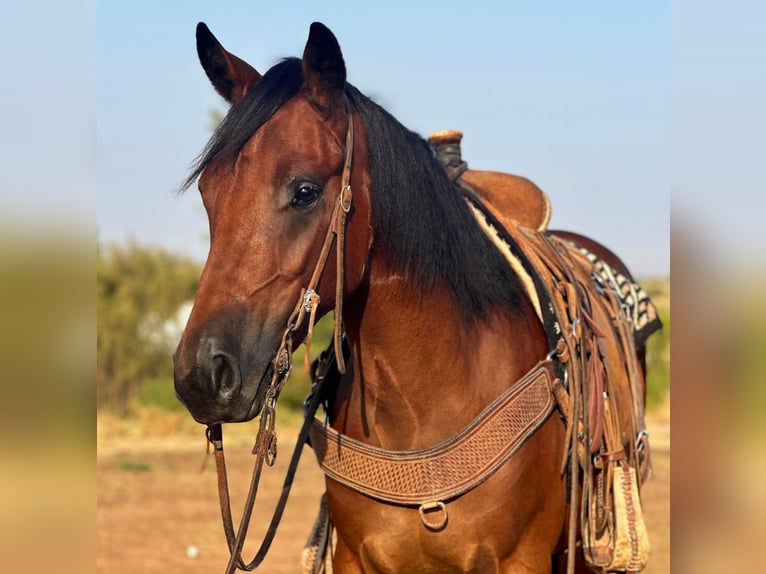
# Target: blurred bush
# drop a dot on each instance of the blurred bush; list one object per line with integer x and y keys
{"x": 47, "y": 385}
{"x": 46, "y": 328}
{"x": 658, "y": 345}
{"x": 142, "y": 296}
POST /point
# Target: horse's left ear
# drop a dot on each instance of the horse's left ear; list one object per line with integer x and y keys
{"x": 231, "y": 77}
{"x": 324, "y": 71}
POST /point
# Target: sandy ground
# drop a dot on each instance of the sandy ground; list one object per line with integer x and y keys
{"x": 155, "y": 506}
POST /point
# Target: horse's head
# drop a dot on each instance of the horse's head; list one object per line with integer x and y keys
{"x": 270, "y": 180}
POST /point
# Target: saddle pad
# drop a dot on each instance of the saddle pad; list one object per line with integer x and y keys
{"x": 640, "y": 311}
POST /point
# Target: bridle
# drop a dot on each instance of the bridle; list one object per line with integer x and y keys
{"x": 265, "y": 448}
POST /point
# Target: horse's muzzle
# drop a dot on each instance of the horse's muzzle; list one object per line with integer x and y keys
{"x": 216, "y": 383}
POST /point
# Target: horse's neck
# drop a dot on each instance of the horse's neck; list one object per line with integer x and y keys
{"x": 419, "y": 374}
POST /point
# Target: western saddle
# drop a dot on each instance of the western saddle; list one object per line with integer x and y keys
{"x": 601, "y": 389}
{"x": 507, "y": 193}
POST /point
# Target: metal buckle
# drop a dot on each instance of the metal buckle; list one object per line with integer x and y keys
{"x": 573, "y": 326}
{"x": 310, "y": 300}
{"x": 643, "y": 435}
{"x": 345, "y": 200}
{"x": 430, "y": 508}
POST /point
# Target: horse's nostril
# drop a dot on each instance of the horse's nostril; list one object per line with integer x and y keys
{"x": 225, "y": 377}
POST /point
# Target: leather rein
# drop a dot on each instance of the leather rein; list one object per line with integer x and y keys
{"x": 265, "y": 448}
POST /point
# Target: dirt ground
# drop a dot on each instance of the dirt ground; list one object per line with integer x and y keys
{"x": 157, "y": 512}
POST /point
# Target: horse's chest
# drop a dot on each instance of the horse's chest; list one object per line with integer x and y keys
{"x": 410, "y": 552}
{"x": 389, "y": 539}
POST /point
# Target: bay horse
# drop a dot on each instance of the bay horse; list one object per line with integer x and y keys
{"x": 438, "y": 324}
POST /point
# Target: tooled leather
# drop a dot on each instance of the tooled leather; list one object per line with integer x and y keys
{"x": 449, "y": 468}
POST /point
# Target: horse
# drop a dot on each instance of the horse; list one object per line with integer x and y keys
{"x": 437, "y": 323}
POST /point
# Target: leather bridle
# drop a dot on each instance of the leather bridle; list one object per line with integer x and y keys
{"x": 265, "y": 448}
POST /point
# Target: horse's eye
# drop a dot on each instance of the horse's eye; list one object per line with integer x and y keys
{"x": 305, "y": 194}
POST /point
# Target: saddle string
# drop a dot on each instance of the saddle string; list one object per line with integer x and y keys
{"x": 265, "y": 441}
{"x": 572, "y": 352}
{"x": 586, "y": 347}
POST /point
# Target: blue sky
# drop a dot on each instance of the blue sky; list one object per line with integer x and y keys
{"x": 574, "y": 97}
{"x": 611, "y": 107}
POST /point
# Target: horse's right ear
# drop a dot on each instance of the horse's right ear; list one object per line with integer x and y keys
{"x": 324, "y": 71}
{"x": 231, "y": 77}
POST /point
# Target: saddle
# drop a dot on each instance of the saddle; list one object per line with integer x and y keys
{"x": 594, "y": 318}
{"x": 508, "y": 193}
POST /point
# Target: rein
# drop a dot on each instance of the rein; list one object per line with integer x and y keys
{"x": 265, "y": 448}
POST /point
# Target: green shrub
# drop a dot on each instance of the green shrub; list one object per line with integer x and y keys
{"x": 133, "y": 465}
{"x": 138, "y": 290}
{"x": 658, "y": 363}
{"x": 159, "y": 392}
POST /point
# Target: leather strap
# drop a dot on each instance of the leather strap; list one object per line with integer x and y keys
{"x": 265, "y": 441}
{"x": 450, "y": 468}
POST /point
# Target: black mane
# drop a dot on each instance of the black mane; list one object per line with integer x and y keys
{"x": 419, "y": 214}
{"x": 424, "y": 221}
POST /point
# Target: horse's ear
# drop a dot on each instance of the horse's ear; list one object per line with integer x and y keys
{"x": 231, "y": 77}
{"x": 324, "y": 71}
